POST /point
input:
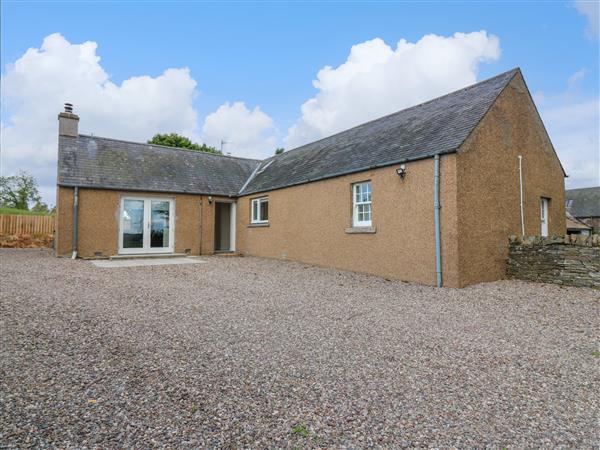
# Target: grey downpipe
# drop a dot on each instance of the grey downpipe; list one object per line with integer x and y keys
{"x": 436, "y": 214}
{"x": 75, "y": 214}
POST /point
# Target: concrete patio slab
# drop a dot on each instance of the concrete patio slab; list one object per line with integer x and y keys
{"x": 114, "y": 263}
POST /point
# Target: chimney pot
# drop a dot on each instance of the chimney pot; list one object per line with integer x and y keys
{"x": 68, "y": 123}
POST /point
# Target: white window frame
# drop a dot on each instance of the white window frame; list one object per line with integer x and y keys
{"x": 356, "y": 187}
{"x": 256, "y": 206}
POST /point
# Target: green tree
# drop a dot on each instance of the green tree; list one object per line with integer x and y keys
{"x": 279, "y": 150}
{"x": 41, "y": 207}
{"x": 176, "y": 140}
{"x": 17, "y": 191}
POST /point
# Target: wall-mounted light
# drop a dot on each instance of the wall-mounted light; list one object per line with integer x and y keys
{"x": 401, "y": 171}
{"x": 210, "y": 199}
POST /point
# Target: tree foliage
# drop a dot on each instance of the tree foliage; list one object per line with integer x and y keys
{"x": 18, "y": 191}
{"x": 279, "y": 150}
{"x": 176, "y": 140}
{"x": 41, "y": 207}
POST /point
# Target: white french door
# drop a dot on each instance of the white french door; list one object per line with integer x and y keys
{"x": 146, "y": 225}
{"x": 544, "y": 216}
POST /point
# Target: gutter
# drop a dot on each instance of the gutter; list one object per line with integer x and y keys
{"x": 436, "y": 214}
{"x": 75, "y": 224}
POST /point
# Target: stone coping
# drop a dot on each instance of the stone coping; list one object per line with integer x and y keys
{"x": 569, "y": 239}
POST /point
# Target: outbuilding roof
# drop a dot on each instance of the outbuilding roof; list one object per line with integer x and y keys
{"x": 95, "y": 162}
{"x": 435, "y": 127}
{"x": 584, "y": 202}
{"x": 573, "y": 223}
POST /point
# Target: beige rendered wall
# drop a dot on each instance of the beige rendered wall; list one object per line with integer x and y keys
{"x": 307, "y": 223}
{"x": 488, "y": 184}
{"x": 99, "y": 221}
{"x": 63, "y": 234}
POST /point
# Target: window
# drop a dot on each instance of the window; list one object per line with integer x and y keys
{"x": 260, "y": 210}
{"x": 361, "y": 204}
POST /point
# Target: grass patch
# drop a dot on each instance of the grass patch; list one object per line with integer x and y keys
{"x": 301, "y": 430}
{"x": 596, "y": 354}
{"x": 23, "y": 212}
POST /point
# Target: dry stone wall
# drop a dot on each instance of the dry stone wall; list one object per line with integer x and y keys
{"x": 570, "y": 260}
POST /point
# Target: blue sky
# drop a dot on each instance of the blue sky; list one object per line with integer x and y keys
{"x": 266, "y": 55}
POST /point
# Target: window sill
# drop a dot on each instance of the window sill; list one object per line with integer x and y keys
{"x": 258, "y": 225}
{"x": 361, "y": 230}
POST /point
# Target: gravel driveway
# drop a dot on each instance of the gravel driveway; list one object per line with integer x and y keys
{"x": 247, "y": 352}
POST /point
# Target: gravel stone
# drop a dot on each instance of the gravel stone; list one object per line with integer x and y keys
{"x": 247, "y": 352}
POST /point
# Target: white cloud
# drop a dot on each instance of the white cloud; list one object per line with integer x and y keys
{"x": 41, "y": 80}
{"x": 591, "y": 10}
{"x": 249, "y": 134}
{"x": 573, "y": 122}
{"x": 377, "y": 80}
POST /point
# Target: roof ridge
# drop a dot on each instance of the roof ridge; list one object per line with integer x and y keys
{"x": 168, "y": 147}
{"x": 582, "y": 188}
{"x": 515, "y": 70}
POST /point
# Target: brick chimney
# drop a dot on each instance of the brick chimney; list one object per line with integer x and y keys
{"x": 68, "y": 123}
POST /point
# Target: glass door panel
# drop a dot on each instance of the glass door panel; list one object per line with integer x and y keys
{"x": 159, "y": 223}
{"x": 133, "y": 224}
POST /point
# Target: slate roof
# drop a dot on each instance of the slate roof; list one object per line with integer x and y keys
{"x": 95, "y": 162}
{"x": 584, "y": 202}
{"x": 438, "y": 126}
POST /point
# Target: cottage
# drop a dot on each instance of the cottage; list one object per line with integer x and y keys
{"x": 429, "y": 194}
{"x": 584, "y": 205}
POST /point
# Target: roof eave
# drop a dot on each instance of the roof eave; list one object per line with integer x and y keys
{"x": 130, "y": 189}
{"x": 348, "y": 172}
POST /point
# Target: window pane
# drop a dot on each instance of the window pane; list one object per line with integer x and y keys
{"x": 133, "y": 223}
{"x": 362, "y": 193}
{"x": 159, "y": 230}
{"x": 367, "y": 216}
{"x": 254, "y": 210}
{"x": 264, "y": 210}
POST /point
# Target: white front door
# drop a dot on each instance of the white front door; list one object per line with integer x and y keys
{"x": 146, "y": 225}
{"x": 544, "y": 216}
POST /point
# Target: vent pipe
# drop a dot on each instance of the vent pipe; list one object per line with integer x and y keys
{"x": 75, "y": 221}
{"x": 521, "y": 194}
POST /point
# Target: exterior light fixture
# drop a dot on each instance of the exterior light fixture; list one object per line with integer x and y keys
{"x": 210, "y": 199}
{"x": 401, "y": 171}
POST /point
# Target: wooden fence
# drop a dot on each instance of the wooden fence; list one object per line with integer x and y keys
{"x": 13, "y": 224}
